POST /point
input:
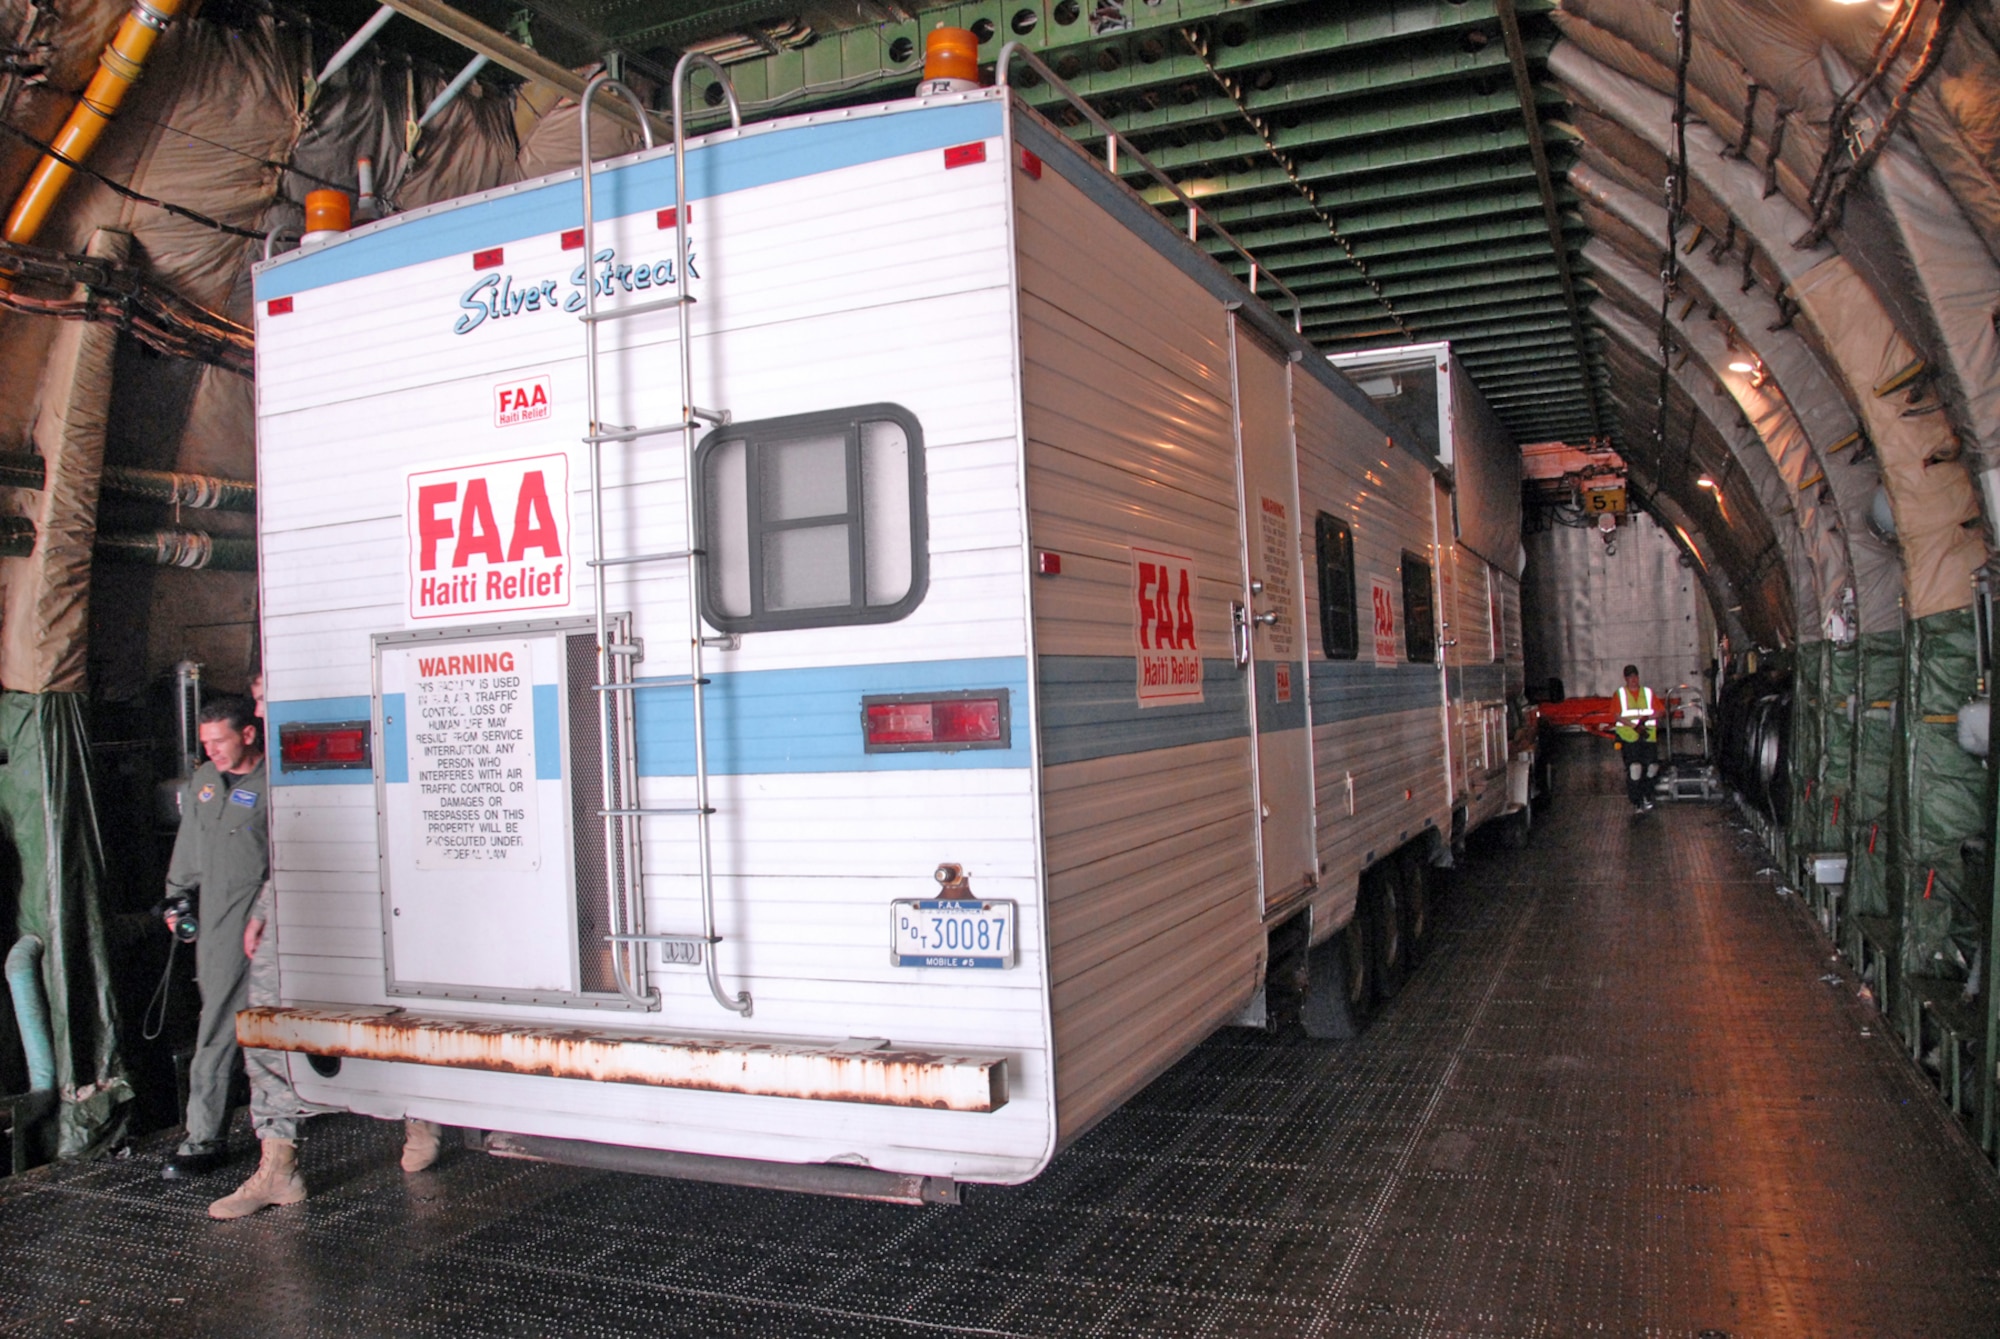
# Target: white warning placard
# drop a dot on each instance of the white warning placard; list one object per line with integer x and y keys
{"x": 1274, "y": 533}
{"x": 1163, "y": 595}
{"x": 472, "y": 757}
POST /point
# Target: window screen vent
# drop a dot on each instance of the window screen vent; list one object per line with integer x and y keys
{"x": 813, "y": 520}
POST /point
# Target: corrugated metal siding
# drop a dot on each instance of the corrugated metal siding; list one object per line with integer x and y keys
{"x": 1378, "y": 726}
{"x": 1592, "y": 612}
{"x": 1152, "y": 876}
{"x": 1479, "y": 688}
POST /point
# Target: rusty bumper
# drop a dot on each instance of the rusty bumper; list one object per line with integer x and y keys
{"x": 864, "y": 1071}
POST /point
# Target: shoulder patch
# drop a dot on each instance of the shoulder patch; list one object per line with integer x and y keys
{"x": 246, "y": 798}
{"x": 204, "y": 795}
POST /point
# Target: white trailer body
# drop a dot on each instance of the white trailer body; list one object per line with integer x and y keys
{"x": 1014, "y": 564}
{"x": 1422, "y": 388}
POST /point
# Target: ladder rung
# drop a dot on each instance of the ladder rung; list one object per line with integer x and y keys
{"x": 665, "y": 939}
{"x": 668, "y": 557}
{"x": 653, "y": 813}
{"x": 636, "y": 309}
{"x": 634, "y": 434}
{"x": 626, "y": 649}
{"x": 680, "y": 681}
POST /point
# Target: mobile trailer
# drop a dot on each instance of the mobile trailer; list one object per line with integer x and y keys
{"x": 1422, "y": 388}
{"x": 1037, "y": 557}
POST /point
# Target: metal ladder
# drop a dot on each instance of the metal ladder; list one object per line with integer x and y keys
{"x": 618, "y": 649}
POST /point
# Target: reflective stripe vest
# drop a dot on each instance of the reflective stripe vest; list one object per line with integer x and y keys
{"x": 1635, "y": 709}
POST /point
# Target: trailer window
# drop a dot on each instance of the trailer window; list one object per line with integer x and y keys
{"x": 1338, "y": 633}
{"x": 1420, "y": 642}
{"x": 813, "y": 520}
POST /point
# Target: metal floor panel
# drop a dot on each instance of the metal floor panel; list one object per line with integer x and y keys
{"x": 1618, "y": 1098}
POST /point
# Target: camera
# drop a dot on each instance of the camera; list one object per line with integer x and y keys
{"x": 181, "y": 908}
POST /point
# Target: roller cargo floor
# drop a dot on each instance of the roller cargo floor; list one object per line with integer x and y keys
{"x": 1627, "y": 1093}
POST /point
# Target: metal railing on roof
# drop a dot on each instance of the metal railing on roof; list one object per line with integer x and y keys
{"x": 1114, "y": 143}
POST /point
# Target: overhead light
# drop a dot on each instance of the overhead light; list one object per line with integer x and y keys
{"x": 1704, "y": 482}
{"x": 1742, "y": 365}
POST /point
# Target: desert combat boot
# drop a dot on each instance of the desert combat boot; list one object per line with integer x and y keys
{"x": 276, "y": 1181}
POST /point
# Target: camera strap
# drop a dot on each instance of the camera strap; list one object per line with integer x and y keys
{"x": 151, "y": 1026}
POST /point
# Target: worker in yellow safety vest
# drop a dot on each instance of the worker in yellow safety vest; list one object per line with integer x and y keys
{"x": 1638, "y": 731}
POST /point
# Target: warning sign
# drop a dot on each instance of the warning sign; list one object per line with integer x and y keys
{"x": 489, "y": 538}
{"x": 1275, "y": 547}
{"x": 522, "y": 400}
{"x": 1163, "y": 595}
{"x": 1386, "y": 651}
{"x": 472, "y": 757}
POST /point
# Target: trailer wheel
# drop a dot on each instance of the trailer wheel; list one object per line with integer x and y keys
{"x": 1416, "y": 907}
{"x": 1514, "y": 828}
{"x": 1340, "y": 987}
{"x": 1390, "y": 958}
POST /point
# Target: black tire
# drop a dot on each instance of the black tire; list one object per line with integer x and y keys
{"x": 1416, "y": 908}
{"x": 1515, "y": 828}
{"x": 1389, "y": 950}
{"x": 1340, "y": 987}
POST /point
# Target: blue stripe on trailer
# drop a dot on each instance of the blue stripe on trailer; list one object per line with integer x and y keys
{"x": 713, "y": 169}
{"x": 395, "y": 760}
{"x": 1273, "y": 715}
{"x": 1351, "y": 690}
{"x": 396, "y": 739}
{"x": 1481, "y": 683}
{"x": 548, "y": 734}
{"x": 809, "y": 720}
{"x": 1090, "y": 709}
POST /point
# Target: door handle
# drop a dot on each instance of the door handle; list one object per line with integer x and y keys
{"x": 1268, "y": 620}
{"x": 1239, "y": 633}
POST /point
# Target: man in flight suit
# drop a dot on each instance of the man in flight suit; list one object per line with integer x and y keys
{"x": 1638, "y": 732}
{"x": 223, "y": 851}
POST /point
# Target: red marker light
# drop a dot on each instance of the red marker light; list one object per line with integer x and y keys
{"x": 489, "y": 259}
{"x": 306, "y": 747}
{"x": 573, "y": 240}
{"x": 965, "y": 155}
{"x": 973, "y": 720}
{"x": 1049, "y": 564}
{"x": 666, "y": 217}
{"x": 278, "y": 307}
{"x": 1031, "y": 164}
{"x": 950, "y": 722}
{"x": 900, "y": 723}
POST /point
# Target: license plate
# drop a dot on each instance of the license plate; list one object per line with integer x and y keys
{"x": 944, "y": 932}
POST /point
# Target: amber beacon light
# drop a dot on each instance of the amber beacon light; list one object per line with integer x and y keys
{"x": 328, "y": 214}
{"x": 951, "y": 61}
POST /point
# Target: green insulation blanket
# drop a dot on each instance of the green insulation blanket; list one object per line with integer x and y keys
{"x": 1837, "y": 746}
{"x": 50, "y": 819}
{"x": 1806, "y": 755}
{"x": 1879, "y": 657}
{"x": 1943, "y": 800}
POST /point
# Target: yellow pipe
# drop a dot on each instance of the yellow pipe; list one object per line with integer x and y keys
{"x": 117, "y": 70}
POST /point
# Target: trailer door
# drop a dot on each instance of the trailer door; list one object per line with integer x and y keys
{"x": 476, "y": 813}
{"x": 1450, "y": 663}
{"x": 1274, "y": 642}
